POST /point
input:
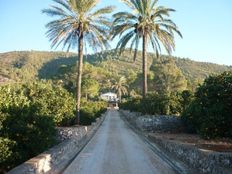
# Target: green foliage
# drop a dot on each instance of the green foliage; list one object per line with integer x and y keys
{"x": 67, "y": 76}
{"x": 6, "y": 153}
{"x": 196, "y": 72}
{"x": 29, "y": 133}
{"x": 52, "y": 100}
{"x": 210, "y": 112}
{"x": 28, "y": 115}
{"x": 90, "y": 87}
{"x": 90, "y": 110}
{"x": 120, "y": 87}
{"x": 94, "y": 26}
{"x": 61, "y": 67}
{"x": 186, "y": 98}
{"x": 30, "y": 65}
{"x": 155, "y": 104}
{"x": 144, "y": 22}
{"x": 167, "y": 77}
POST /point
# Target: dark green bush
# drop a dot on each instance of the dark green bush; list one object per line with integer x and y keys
{"x": 28, "y": 115}
{"x": 154, "y": 103}
{"x": 90, "y": 110}
{"x": 6, "y": 154}
{"x": 53, "y": 100}
{"x": 186, "y": 98}
{"x": 131, "y": 104}
{"x": 210, "y": 112}
{"x": 32, "y": 133}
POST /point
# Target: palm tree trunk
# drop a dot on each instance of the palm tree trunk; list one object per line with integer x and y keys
{"x": 79, "y": 78}
{"x": 144, "y": 65}
{"x": 86, "y": 96}
{"x": 120, "y": 96}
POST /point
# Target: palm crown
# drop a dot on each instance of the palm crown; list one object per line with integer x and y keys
{"x": 76, "y": 18}
{"x": 120, "y": 86}
{"x": 146, "y": 19}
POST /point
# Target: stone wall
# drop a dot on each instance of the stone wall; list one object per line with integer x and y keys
{"x": 76, "y": 132}
{"x": 204, "y": 161}
{"x": 56, "y": 159}
{"x": 152, "y": 123}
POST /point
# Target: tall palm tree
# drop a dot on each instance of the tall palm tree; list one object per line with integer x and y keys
{"x": 120, "y": 86}
{"x": 147, "y": 22}
{"x": 78, "y": 24}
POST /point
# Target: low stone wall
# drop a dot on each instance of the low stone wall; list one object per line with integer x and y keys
{"x": 56, "y": 159}
{"x": 205, "y": 161}
{"x": 76, "y": 132}
{"x": 152, "y": 123}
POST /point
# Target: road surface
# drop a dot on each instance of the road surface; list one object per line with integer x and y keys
{"x": 116, "y": 149}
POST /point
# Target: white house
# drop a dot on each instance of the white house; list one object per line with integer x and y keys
{"x": 109, "y": 96}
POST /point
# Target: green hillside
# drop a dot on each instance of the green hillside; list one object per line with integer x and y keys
{"x": 30, "y": 65}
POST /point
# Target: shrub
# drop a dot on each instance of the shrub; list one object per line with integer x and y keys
{"x": 32, "y": 133}
{"x": 154, "y": 103}
{"x": 210, "y": 112}
{"x": 131, "y": 104}
{"x": 52, "y": 100}
{"x": 90, "y": 110}
{"x": 186, "y": 98}
{"x": 28, "y": 115}
{"x": 6, "y": 154}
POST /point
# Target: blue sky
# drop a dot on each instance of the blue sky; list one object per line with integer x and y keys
{"x": 206, "y": 27}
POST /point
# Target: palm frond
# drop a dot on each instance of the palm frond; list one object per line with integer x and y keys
{"x": 150, "y": 20}
{"x": 102, "y": 11}
{"x": 76, "y": 17}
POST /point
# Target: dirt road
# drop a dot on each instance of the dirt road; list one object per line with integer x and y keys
{"x": 116, "y": 149}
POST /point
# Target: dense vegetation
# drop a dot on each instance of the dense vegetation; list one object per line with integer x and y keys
{"x": 27, "y": 127}
{"x": 159, "y": 103}
{"x": 210, "y": 112}
{"x": 91, "y": 110}
{"x": 29, "y": 113}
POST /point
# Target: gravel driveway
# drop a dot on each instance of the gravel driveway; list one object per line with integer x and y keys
{"x": 116, "y": 149}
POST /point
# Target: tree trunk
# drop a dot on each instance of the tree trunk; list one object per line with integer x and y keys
{"x": 79, "y": 77}
{"x": 120, "y": 96}
{"x": 144, "y": 65}
{"x": 86, "y": 96}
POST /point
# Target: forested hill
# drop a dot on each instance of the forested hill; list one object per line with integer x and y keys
{"x": 28, "y": 65}
{"x": 191, "y": 69}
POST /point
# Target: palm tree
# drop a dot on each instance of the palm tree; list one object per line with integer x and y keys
{"x": 148, "y": 22}
{"x": 78, "y": 24}
{"x": 120, "y": 87}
